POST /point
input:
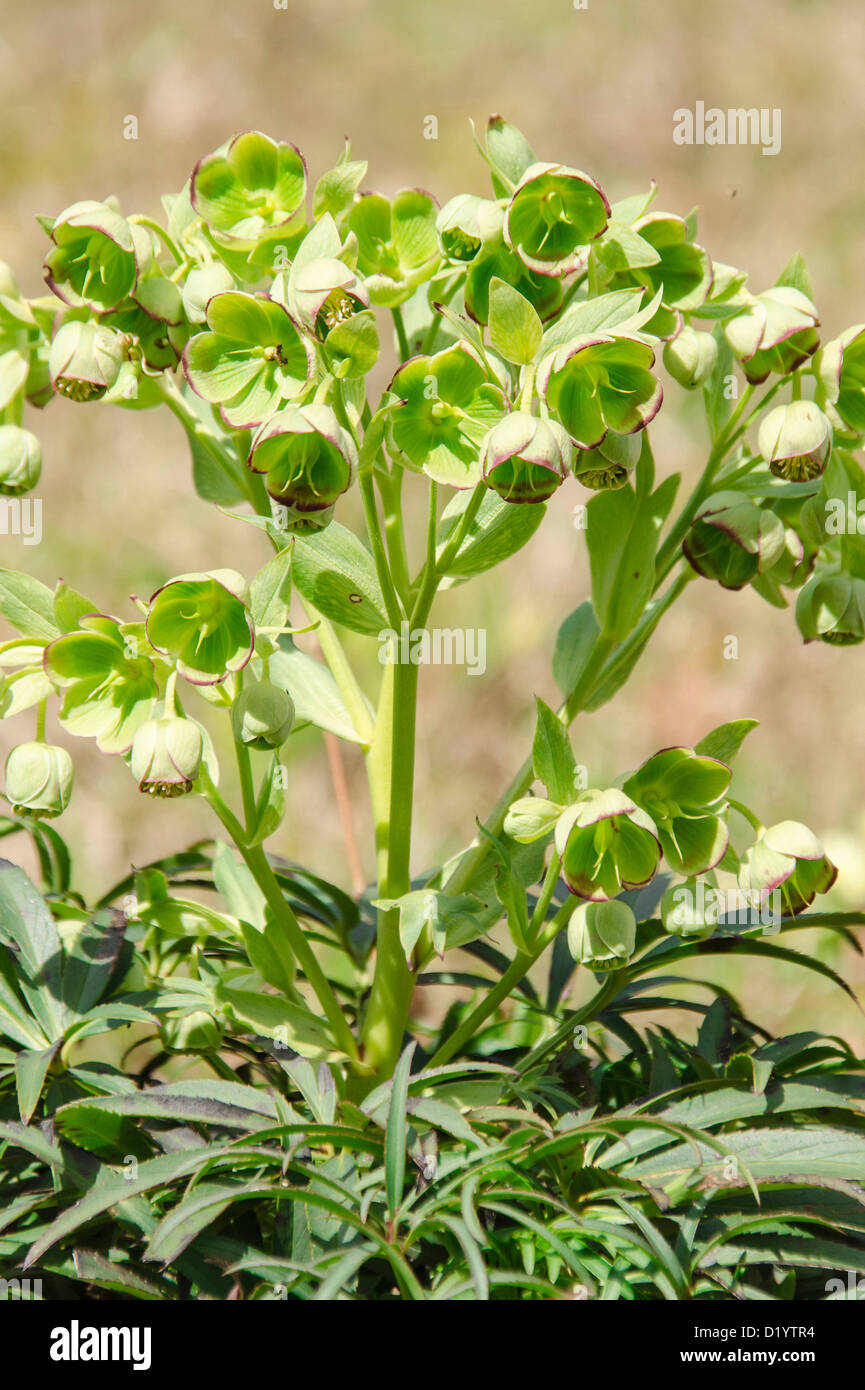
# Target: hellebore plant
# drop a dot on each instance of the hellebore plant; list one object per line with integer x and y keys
{"x": 489, "y": 355}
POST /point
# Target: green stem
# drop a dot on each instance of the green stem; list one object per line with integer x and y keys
{"x": 40, "y": 721}
{"x": 379, "y": 555}
{"x": 608, "y": 990}
{"x": 390, "y": 488}
{"x": 256, "y": 861}
{"x": 401, "y": 338}
{"x": 515, "y": 973}
{"x": 170, "y": 245}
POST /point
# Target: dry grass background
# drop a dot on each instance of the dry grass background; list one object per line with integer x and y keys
{"x": 594, "y": 87}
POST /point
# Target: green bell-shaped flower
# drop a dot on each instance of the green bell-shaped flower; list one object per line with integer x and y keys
{"x": 20, "y": 461}
{"x": 202, "y": 620}
{"x": 690, "y": 357}
{"x": 670, "y": 265}
{"x": 602, "y": 935}
{"x": 607, "y": 842}
{"x": 397, "y": 243}
{"x": 831, "y": 608}
{"x": 324, "y": 293}
{"x": 775, "y": 332}
{"x": 94, "y": 261}
{"x": 447, "y": 407}
{"x": 251, "y": 188}
{"x": 525, "y": 459}
{"x": 552, "y": 216}
{"x": 609, "y": 465}
{"x": 796, "y": 440}
{"x": 465, "y": 223}
{"x": 732, "y": 539}
{"x": 787, "y": 857}
{"x": 308, "y": 458}
{"x": 109, "y": 682}
{"x": 86, "y": 359}
{"x": 599, "y": 382}
{"x": 262, "y": 716}
{"x": 166, "y": 756}
{"x": 252, "y": 360}
{"x": 39, "y": 779}
{"x": 680, "y": 790}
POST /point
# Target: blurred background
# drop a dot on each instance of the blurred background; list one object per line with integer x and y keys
{"x": 594, "y": 87}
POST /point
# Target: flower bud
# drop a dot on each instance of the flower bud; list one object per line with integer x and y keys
{"x": 86, "y": 359}
{"x": 262, "y": 716}
{"x": 197, "y": 1031}
{"x": 166, "y": 756}
{"x": 308, "y": 457}
{"x": 690, "y": 357}
{"x": 20, "y": 460}
{"x": 530, "y": 818}
{"x": 200, "y": 287}
{"x": 525, "y": 459}
{"x": 795, "y": 440}
{"x": 610, "y": 464}
{"x": 39, "y": 780}
{"x": 602, "y": 936}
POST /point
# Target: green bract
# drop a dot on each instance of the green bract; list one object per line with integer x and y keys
{"x": 308, "y": 458}
{"x": 250, "y": 188}
{"x": 795, "y": 440}
{"x": 733, "y": 539}
{"x": 20, "y": 460}
{"x": 262, "y": 716}
{"x": 496, "y": 261}
{"x": 831, "y": 608}
{"x": 95, "y": 259}
{"x": 552, "y": 216}
{"x": 203, "y": 622}
{"x": 607, "y": 842}
{"x": 775, "y": 332}
{"x": 39, "y": 780}
{"x": 166, "y": 756}
{"x": 252, "y": 360}
{"x": 447, "y": 406}
{"x": 597, "y": 383}
{"x": 602, "y": 935}
{"x": 109, "y": 684}
{"x": 678, "y": 788}
{"x": 525, "y": 459}
{"x": 789, "y": 857}
{"x": 397, "y": 243}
